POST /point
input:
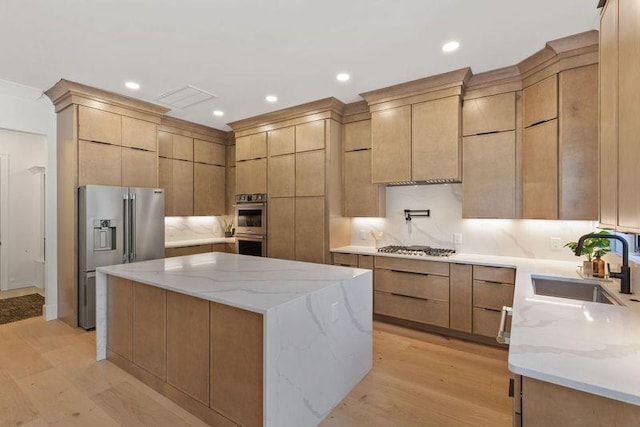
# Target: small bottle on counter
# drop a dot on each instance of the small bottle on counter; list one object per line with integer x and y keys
{"x": 598, "y": 266}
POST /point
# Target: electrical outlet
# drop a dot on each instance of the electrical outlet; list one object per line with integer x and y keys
{"x": 364, "y": 235}
{"x": 457, "y": 238}
{"x": 334, "y": 311}
{"x": 555, "y": 244}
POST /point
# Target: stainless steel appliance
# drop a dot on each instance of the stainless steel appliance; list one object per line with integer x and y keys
{"x": 116, "y": 225}
{"x": 251, "y": 224}
{"x": 417, "y": 251}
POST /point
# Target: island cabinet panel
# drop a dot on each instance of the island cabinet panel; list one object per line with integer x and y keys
{"x": 237, "y": 364}
{"x": 182, "y": 147}
{"x": 489, "y": 183}
{"x": 282, "y": 141}
{"x": 208, "y": 190}
{"x": 139, "y": 168}
{"x": 150, "y": 329}
{"x": 310, "y": 173}
{"x": 461, "y": 301}
{"x": 435, "y": 149}
{"x": 431, "y": 312}
{"x": 251, "y": 176}
{"x": 496, "y": 113}
{"x": 99, "y": 126}
{"x": 310, "y": 229}
{"x": 425, "y": 286}
{"x": 165, "y": 181}
{"x": 251, "y": 146}
{"x": 282, "y": 176}
{"x": 391, "y": 145}
{"x": 188, "y": 356}
{"x": 281, "y": 241}
{"x": 540, "y": 171}
{"x": 120, "y": 316}
{"x": 139, "y": 134}
{"x": 182, "y": 188}
{"x": 540, "y": 101}
{"x": 310, "y": 136}
{"x": 99, "y": 164}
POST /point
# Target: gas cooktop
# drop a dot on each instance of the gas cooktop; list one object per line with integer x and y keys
{"x": 417, "y": 251}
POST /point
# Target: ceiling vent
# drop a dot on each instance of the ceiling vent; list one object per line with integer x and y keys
{"x": 185, "y": 97}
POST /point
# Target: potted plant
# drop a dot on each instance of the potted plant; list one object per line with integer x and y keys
{"x": 590, "y": 246}
{"x": 228, "y": 228}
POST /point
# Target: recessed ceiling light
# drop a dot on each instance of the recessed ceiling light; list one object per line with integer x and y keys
{"x": 450, "y": 46}
{"x": 343, "y": 77}
{"x": 132, "y": 85}
{"x": 218, "y": 113}
{"x": 271, "y": 98}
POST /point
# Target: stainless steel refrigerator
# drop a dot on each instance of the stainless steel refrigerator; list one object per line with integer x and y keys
{"x": 117, "y": 225}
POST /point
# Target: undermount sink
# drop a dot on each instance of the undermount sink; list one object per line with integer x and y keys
{"x": 571, "y": 289}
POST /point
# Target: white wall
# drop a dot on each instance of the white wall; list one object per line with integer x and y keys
{"x": 23, "y": 240}
{"x": 519, "y": 238}
{"x": 26, "y": 109}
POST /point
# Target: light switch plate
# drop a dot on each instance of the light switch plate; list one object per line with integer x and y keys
{"x": 457, "y": 238}
{"x": 364, "y": 235}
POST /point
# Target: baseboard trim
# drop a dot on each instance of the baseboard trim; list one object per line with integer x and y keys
{"x": 50, "y": 311}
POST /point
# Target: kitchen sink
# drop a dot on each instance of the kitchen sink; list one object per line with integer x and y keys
{"x": 572, "y": 289}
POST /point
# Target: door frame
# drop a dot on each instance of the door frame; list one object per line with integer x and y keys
{"x": 4, "y": 216}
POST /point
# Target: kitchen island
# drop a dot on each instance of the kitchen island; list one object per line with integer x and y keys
{"x": 237, "y": 339}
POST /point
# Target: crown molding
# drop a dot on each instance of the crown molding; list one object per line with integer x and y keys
{"x": 168, "y": 123}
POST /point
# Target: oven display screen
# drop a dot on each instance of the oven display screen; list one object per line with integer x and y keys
{"x": 250, "y": 218}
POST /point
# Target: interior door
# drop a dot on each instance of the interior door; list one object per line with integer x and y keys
{"x": 148, "y": 224}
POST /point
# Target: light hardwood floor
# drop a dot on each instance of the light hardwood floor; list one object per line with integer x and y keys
{"x": 48, "y": 376}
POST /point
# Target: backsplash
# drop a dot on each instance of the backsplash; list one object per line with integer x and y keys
{"x": 192, "y": 227}
{"x": 503, "y": 237}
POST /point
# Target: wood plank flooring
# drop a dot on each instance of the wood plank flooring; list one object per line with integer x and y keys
{"x": 49, "y": 376}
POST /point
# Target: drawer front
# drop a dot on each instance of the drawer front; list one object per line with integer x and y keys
{"x": 494, "y": 274}
{"x": 492, "y": 295}
{"x": 365, "y": 261}
{"x": 424, "y": 311}
{"x": 413, "y": 285}
{"x": 413, "y": 266}
{"x": 348, "y": 260}
{"x": 487, "y": 322}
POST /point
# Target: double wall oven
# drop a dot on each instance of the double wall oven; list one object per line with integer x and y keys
{"x": 251, "y": 224}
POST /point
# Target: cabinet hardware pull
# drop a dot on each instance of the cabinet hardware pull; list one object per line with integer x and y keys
{"x": 408, "y": 296}
{"x": 504, "y": 337}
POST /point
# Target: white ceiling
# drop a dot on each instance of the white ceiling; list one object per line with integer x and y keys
{"x": 242, "y": 50}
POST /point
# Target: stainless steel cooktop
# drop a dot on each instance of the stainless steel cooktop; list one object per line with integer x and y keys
{"x": 417, "y": 250}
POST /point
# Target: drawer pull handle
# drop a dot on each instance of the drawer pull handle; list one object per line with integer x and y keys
{"x": 504, "y": 337}
{"x": 409, "y": 272}
{"x": 491, "y": 282}
{"x": 408, "y": 296}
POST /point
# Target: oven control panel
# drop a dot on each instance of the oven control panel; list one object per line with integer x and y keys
{"x": 251, "y": 198}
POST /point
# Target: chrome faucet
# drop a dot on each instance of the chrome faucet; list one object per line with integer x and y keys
{"x": 625, "y": 272}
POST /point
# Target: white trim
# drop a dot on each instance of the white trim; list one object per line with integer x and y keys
{"x": 4, "y": 220}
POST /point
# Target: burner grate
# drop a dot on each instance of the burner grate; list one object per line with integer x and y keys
{"x": 417, "y": 250}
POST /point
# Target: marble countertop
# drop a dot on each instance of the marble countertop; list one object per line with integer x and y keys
{"x": 196, "y": 242}
{"x": 582, "y": 345}
{"x": 251, "y": 283}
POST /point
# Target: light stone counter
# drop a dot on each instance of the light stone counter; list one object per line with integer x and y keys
{"x": 586, "y": 346}
{"x": 317, "y": 322}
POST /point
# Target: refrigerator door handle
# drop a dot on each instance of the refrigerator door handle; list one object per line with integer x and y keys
{"x": 132, "y": 227}
{"x": 125, "y": 240}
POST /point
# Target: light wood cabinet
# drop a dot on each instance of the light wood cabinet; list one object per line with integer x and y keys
{"x": 281, "y": 224}
{"x": 540, "y": 171}
{"x": 435, "y": 142}
{"x": 120, "y": 316}
{"x": 190, "y": 250}
{"x": 139, "y": 168}
{"x": 99, "y": 126}
{"x": 391, "y": 145}
{"x": 165, "y": 181}
{"x": 208, "y": 190}
{"x": 430, "y": 312}
{"x": 425, "y": 286}
{"x": 489, "y": 183}
{"x": 345, "y": 260}
{"x": 165, "y": 144}
{"x": 310, "y": 229}
{"x": 231, "y": 190}
{"x": 182, "y": 188}
{"x": 361, "y": 197}
{"x": 99, "y": 164}
{"x": 251, "y": 146}
{"x": 209, "y": 153}
{"x": 150, "y": 329}
{"x": 282, "y": 141}
{"x": 282, "y": 176}
{"x": 139, "y": 134}
{"x": 493, "y": 288}
{"x": 608, "y": 204}
{"x": 357, "y": 135}
{"x": 413, "y": 266}
{"x": 461, "y": 302}
{"x": 251, "y": 176}
{"x": 182, "y": 147}
{"x": 366, "y": 261}
{"x": 495, "y": 113}
{"x": 310, "y": 136}
{"x": 310, "y": 173}
{"x": 540, "y": 101}
{"x": 492, "y": 295}
{"x": 486, "y": 322}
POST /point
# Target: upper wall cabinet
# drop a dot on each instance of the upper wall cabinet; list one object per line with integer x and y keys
{"x": 488, "y": 114}
{"x": 541, "y": 101}
{"x": 282, "y": 141}
{"x": 310, "y": 136}
{"x": 251, "y": 147}
{"x": 99, "y": 126}
{"x": 139, "y": 134}
{"x": 391, "y": 144}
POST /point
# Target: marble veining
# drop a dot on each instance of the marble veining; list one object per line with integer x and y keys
{"x": 194, "y": 230}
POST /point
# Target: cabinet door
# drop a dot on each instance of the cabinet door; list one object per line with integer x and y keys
{"x": 139, "y": 134}
{"x": 182, "y": 148}
{"x": 230, "y": 190}
{"x": 99, "y": 164}
{"x": 489, "y": 183}
{"x": 629, "y": 111}
{"x": 435, "y": 146}
{"x": 208, "y": 190}
{"x": 139, "y": 168}
{"x": 461, "y": 297}
{"x": 251, "y": 176}
{"x": 540, "y": 101}
{"x": 282, "y": 141}
{"x": 165, "y": 144}
{"x": 609, "y": 115}
{"x": 120, "y": 316}
{"x": 578, "y": 144}
{"x": 310, "y": 173}
{"x": 182, "y": 188}
{"x": 496, "y": 113}
{"x": 540, "y": 171}
{"x": 150, "y": 329}
{"x": 282, "y": 176}
{"x": 281, "y": 232}
{"x": 310, "y": 229}
{"x": 361, "y": 197}
{"x": 391, "y": 145}
{"x": 207, "y": 152}
{"x": 165, "y": 181}
{"x": 310, "y": 136}
{"x": 357, "y": 135}
{"x": 99, "y": 126}
{"x": 251, "y": 146}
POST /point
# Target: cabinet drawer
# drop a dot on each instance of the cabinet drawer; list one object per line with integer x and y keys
{"x": 365, "y": 261}
{"x": 487, "y": 322}
{"x": 425, "y": 286}
{"x": 413, "y": 266}
{"x": 414, "y": 309}
{"x": 348, "y": 260}
{"x": 494, "y": 274}
{"x": 492, "y": 295}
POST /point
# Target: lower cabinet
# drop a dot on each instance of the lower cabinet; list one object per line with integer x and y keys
{"x": 150, "y": 329}
{"x": 310, "y": 229}
{"x": 198, "y": 249}
{"x": 461, "y": 291}
{"x": 120, "y": 316}
{"x": 493, "y": 288}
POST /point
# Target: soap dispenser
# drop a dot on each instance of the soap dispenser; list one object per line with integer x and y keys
{"x": 598, "y": 266}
